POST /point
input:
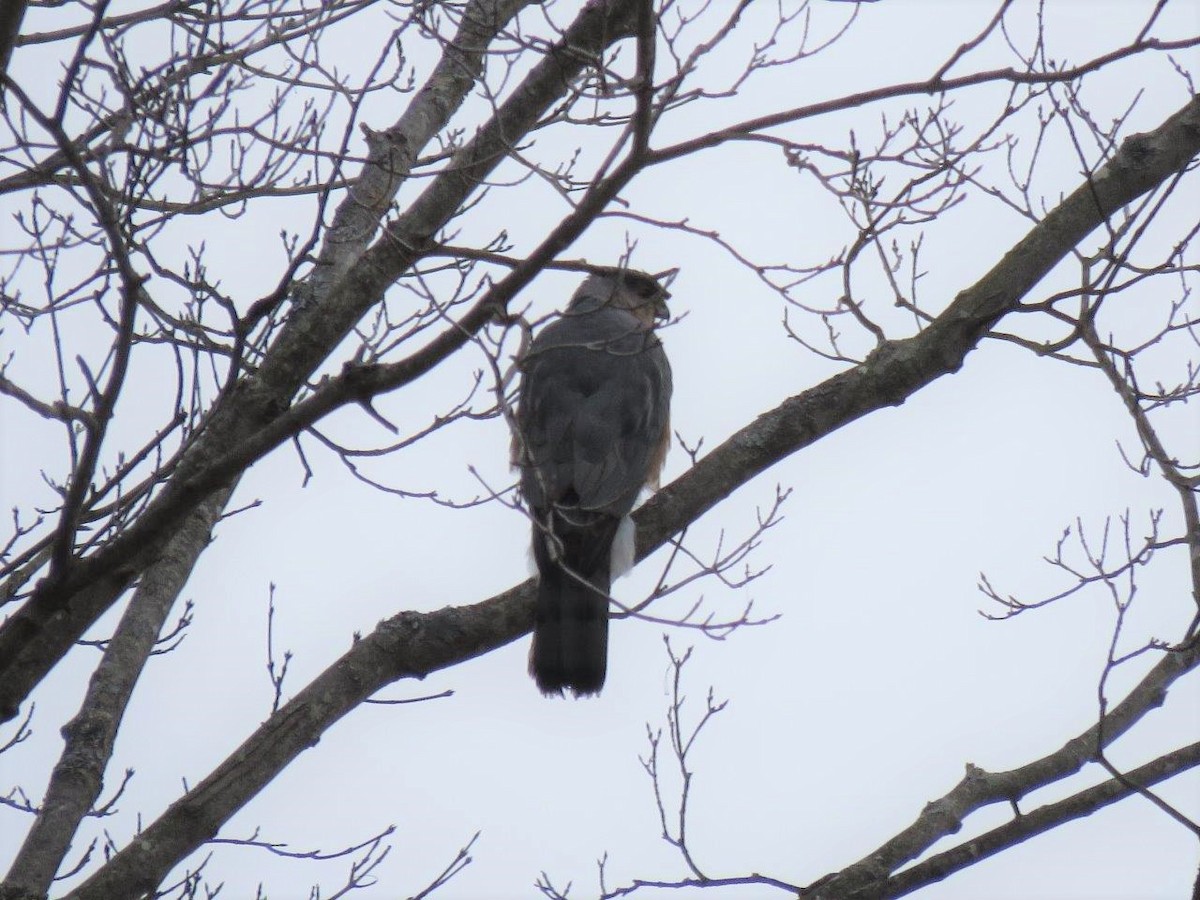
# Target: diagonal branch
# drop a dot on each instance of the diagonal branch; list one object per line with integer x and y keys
{"x": 391, "y": 152}
{"x": 934, "y": 85}
{"x": 1036, "y": 822}
{"x": 978, "y": 788}
{"x": 897, "y": 369}
{"x": 78, "y": 777}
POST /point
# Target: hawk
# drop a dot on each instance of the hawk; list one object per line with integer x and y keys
{"x": 593, "y": 428}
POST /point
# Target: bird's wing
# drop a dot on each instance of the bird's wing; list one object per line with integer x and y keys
{"x": 594, "y": 410}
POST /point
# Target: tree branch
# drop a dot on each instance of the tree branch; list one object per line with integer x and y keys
{"x": 78, "y": 778}
{"x": 897, "y": 369}
{"x": 1040, "y": 820}
{"x": 979, "y": 788}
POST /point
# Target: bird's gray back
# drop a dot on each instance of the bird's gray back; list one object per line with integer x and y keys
{"x": 594, "y": 402}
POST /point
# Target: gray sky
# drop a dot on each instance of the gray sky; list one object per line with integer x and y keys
{"x": 864, "y": 701}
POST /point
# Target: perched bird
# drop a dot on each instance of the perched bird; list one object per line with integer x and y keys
{"x": 593, "y": 428}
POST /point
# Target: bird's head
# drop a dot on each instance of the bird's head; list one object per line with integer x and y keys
{"x": 640, "y": 293}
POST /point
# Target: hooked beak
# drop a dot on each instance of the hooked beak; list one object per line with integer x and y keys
{"x": 661, "y": 312}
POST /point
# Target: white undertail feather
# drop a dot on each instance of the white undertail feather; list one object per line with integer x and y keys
{"x": 621, "y": 556}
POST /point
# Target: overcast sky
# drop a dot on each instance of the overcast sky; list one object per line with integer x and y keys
{"x": 880, "y": 680}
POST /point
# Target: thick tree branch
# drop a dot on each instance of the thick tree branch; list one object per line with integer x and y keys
{"x": 1029, "y": 824}
{"x": 78, "y": 778}
{"x": 390, "y": 153}
{"x": 978, "y": 788}
{"x": 407, "y": 645}
{"x": 896, "y": 369}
